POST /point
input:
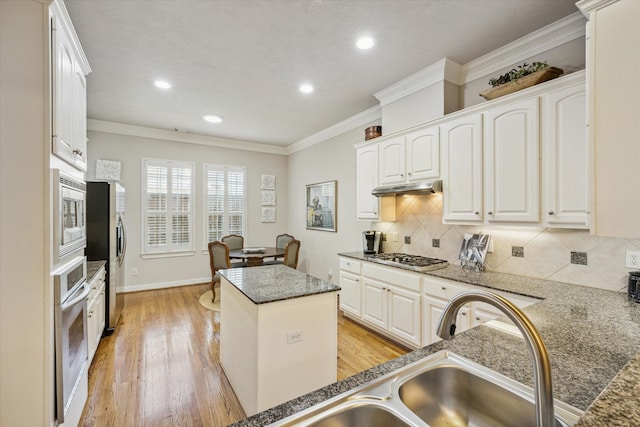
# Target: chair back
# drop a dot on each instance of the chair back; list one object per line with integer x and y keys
{"x": 282, "y": 240}
{"x": 233, "y": 241}
{"x": 218, "y": 256}
{"x": 291, "y": 254}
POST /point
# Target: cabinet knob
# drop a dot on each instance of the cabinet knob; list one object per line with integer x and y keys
{"x": 78, "y": 152}
{"x": 463, "y": 313}
{"x": 444, "y": 288}
{"x": 357, "y": 280}
{"x": 550, "y": 212}
{"x": 477, "y": 318}
{"x": 90, "y": 315}
{"x": 402, "y": 175}
{"x": 409, "y": 173}
{"x": 490, "y": 213}
{"x": 477, "y": 213}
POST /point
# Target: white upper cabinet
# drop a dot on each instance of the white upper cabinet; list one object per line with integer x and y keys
{"x": 461, "y": 158}
{"x": 565, "y": 163}
{"x": 366, "y": 181}
{"x": 410, "y": 157}
{"x": 423, "y": 154}
{"x": 392, "y": 161}
{"x": 512, "y": 162}
{"x": 69, "y": 91}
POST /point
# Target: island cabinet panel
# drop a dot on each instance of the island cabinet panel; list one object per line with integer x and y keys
{"x": 276, "y": 351}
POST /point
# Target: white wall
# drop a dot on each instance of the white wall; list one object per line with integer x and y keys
{"x": 334, "y": 159}
{"x": 26, "y": 289}
{"x": 163, "y": 272}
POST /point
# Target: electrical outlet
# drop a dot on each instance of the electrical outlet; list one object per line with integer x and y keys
{"x": 633, "y": 259}
{"x": 394, "y": 236}
{"x": 134, "y": 271}
{"x": 295, "y": 336}
{"x": 490, "y": 247}
{"x": 330, "y": 274}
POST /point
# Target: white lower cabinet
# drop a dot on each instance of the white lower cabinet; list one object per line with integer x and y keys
{"x": 407, "y": 306}
{"x": 350, "y": 282}
{"x": 95, "y": 312}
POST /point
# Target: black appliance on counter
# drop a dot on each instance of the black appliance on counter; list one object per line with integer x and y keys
{"x": 371, "y": 241}
{"x": 634, "y": 285}
{"x": 106, "y": 240}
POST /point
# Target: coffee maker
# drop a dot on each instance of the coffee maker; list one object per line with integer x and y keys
{"x": 371, "y": 241}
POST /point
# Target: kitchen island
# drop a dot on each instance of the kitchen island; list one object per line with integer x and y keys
{"x": 278, "y": 334}
{"x": 591, "y": 335}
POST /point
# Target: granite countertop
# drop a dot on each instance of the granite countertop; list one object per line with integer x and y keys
{"x": 275, "y": 283}
{"x": 93, "y": 267}
{"x": 592, "y": 336}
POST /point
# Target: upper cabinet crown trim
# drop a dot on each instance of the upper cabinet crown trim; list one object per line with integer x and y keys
{"x": 588, "y": 6}
{"x": 553, "y": 35}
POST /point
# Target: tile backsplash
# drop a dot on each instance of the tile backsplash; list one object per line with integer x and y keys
{"x": 554, "y": 254}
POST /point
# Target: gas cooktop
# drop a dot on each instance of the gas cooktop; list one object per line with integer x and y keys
{"x": 411, "y": 262}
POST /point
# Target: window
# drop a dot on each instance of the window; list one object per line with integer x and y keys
{"x": 225, "y": 206}
{"x": 167, "y": 205}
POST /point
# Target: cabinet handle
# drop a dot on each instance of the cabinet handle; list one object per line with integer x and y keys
{"x": 78, "y": 152}
{"x": 550, "y": 212}
{"x": 90, "y": 315}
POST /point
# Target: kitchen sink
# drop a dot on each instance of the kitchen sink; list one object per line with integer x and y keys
{"x": 443, "y": 389}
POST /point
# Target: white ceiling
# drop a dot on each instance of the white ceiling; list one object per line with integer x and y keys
{"x": 244, "y": 59}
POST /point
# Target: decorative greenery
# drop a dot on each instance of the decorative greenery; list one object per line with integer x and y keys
{"x": 516, "y": 73}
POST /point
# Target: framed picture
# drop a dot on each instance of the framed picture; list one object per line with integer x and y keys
{"x": 268, "y": 198}
{"x": 321, "y": 206}
{"x": 268, "y": 214}
{"x": 268, "y": 182}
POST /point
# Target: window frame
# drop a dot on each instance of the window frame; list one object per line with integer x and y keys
{"x": 171, "y": 249}
{"x": 225, "y": 214}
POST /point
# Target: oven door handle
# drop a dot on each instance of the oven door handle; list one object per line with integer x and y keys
{"x": 73, "y": 301}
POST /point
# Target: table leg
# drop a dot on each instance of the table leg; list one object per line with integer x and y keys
{"x": 254, "y": 262}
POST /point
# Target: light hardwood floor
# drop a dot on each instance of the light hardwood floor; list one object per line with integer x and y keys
{"x": 161, "y": 367}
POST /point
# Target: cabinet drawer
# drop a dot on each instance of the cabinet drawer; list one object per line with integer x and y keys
{"x": 443, "y": 288}
{"x": 392, "y": 275}
{"x": 350, "y": 265}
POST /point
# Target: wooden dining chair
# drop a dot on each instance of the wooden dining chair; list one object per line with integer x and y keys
{"x": 291, "y": 254}
{"x": 233, "y": 241}
{"x": 218, "y": 260}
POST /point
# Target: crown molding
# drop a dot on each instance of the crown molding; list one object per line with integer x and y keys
{"x": 167, "y": 135}
{"x": 363, "y": 118}
{"x": 444, "y": 69}
{"x": 588, "y": 6}
{"x": 553, "y": 35}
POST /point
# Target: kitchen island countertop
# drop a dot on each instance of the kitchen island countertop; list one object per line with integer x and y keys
{"x": 592, "y": 335}
{"x": 275, "y": 283}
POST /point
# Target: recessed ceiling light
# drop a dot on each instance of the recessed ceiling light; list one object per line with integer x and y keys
{"x": 366, "y": 42}
{"x": 162, "y": 84}
{"x": 306, "y": 88}
{"x": 212, "y": 118}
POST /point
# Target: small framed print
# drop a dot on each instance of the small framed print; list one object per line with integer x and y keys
{"x": 268, "y": 182}
{"x": 268, "y": 198}
{"x": 321, "y": 206}
{"x": 268, "y": 214}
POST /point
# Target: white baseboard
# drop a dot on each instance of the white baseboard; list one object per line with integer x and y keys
{"x": 163, "y": 285}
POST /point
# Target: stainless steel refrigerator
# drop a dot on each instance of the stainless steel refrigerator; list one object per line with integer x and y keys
{"x": 106, "y": 240}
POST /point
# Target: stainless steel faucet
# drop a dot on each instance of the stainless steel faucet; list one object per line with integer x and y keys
{"x": 541, "y": 365}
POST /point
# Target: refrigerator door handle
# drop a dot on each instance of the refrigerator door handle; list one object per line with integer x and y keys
{"x": 122, "y": 243}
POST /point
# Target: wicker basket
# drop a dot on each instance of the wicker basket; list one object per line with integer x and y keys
{"x": 532, "y": 79}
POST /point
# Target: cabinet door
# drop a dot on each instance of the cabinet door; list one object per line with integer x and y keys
{"x": 423, "y": 154}
{"x": 392, "y": 161}
{"x": 433, "y": 308}
{"x": 80, "y": 119}
{"x": 63, "y": 75}
{"x": 366, "y": 181}
{"x": 512, "y": 162}
{"x": 565, "y": 154}
{"x": 404, "y": 314}
{"x": 350, "y": 294}
{"x": 374, "y": 303}
{"x": 462, "y": 169}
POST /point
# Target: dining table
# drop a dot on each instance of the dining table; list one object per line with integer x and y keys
{"x": 255, "y": 256}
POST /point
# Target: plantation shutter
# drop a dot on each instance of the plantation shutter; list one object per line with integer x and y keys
{"x": 225, "y": 201}
{"x": 168, "y": 201}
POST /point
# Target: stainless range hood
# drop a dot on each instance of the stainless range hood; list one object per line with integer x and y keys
{"x": 424, "y": 187}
